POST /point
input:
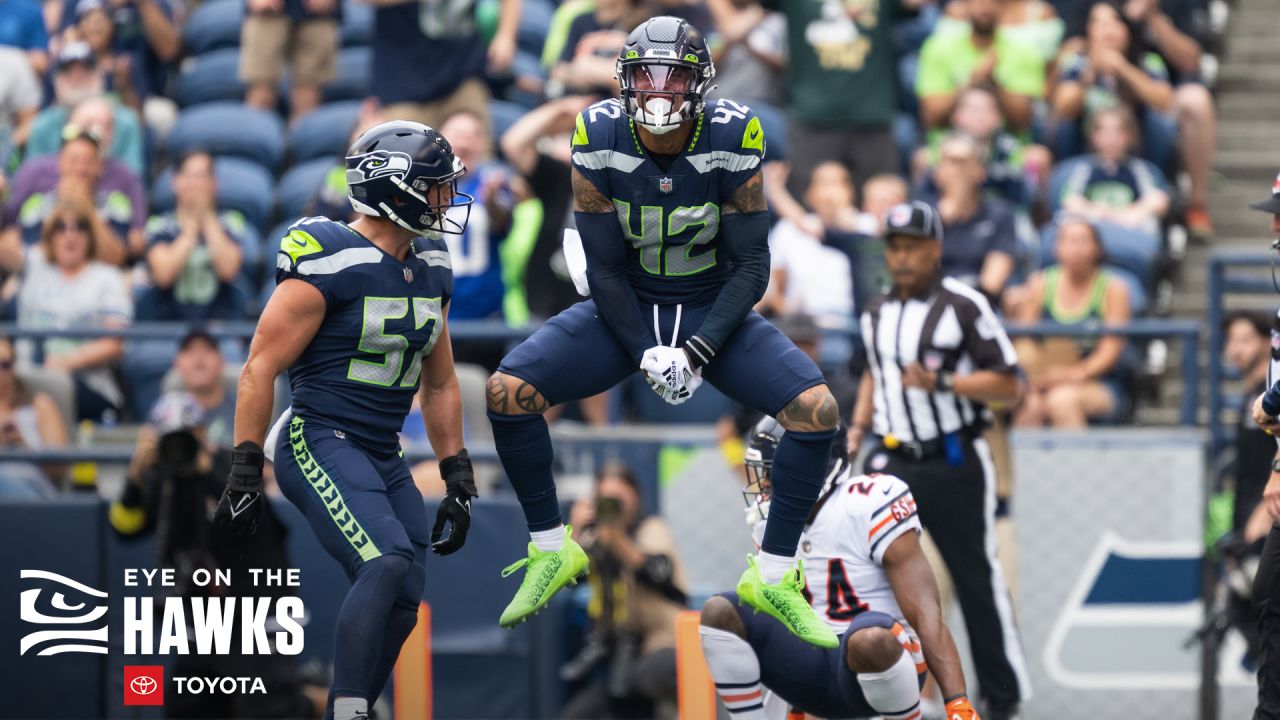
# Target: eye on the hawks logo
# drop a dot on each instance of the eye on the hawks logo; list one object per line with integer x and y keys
{"x": 72, "y": 615}
{"x": 378, "y": 163}
{"x": 143, "y": 684}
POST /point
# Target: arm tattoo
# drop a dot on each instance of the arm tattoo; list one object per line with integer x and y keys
{"x": 529, "y": 399}
{"x": 586, "y": 197}
{"x": 813, "y": 410}
{"x": 748, "y": 198}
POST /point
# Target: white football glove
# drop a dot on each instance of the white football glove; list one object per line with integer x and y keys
{"x": 668, "y": 372}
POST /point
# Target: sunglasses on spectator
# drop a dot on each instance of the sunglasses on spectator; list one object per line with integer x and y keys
{"x": 62, "y": 226}
{"x": 71, "y": 131}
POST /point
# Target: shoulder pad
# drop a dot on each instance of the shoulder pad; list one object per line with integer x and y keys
{"x": 595, "y": 127}
{"x": 316, "y": 238}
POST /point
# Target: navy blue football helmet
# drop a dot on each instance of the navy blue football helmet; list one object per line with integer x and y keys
{"x": 665, "y": 73}
{"x": 407, "y": 173}
{"x": 762, "y": 443}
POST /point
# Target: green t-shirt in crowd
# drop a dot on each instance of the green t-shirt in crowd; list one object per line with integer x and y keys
{"x": 947, "y": 62}
{"x": 842, "y": 72}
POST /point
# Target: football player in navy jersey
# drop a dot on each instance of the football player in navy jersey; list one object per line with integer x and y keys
{"x": 669, "y": 200}
{"x": 358, "y": 320}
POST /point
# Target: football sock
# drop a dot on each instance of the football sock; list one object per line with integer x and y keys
{"x": 524, "y": 447}
{"x": 548, "y": 540}
{"x": 773, "y": 567}
{"x": 736, "y": 672}
{"x": 799, "y": 469}
{"x": 400, "y": 622}
{"x": 348, "y": 708}
{"x": 894, "y": 693}
{"x": 362, "y": 626}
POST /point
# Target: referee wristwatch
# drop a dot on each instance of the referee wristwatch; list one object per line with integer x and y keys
{"x": 945, "y": 381}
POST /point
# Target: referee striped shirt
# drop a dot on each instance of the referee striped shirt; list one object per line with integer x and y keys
{"x": 948, "y": 327}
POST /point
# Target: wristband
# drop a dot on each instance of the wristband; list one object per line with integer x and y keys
{"x": 246, "y": 467}
{"x": 457, "y": 473}
{"x": 699, "y": 351}
{"x": 945, "y": 381}
{"x": 952, "y": 698}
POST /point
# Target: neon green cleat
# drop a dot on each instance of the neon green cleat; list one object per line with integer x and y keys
{"x": 785, "y": 601}
{"x": 545, "y": 573}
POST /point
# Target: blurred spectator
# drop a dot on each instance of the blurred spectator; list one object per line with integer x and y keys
{"x": 79, "y": 84}
{"x": 806, "y": 276}
{"x": 132, "y": 40}
{"x": 595, "y": 38}
{"x": 1074, "y": 380}
{"x": 302, "y": 34}
{"x": 879, "y": 193}
{"x": 980, "y": 240}
{"x": 1124, "y": 194}
{"x": 637, "y": 588}
{"x": 537, "y": 148}
{"x": 1113, "y": 68}
{"x": 19, "y": 102}
{"x": 194, "y": 253}
{"x": 22, "y": 27}
{"x": 429, "y": 59}
{"x": 1016, "y": 171}
{"x": 80, "y": 174}
{"x": 65, "y": 286}
{"x": 330, "y": 199}
{"x": 29, "y": 418}
{"x": 1248, "y": 350}
{"x": 981, "y": 57}
{"x": 842, "y": 80}
{"x": 199, "y": 366}
{"x": 862, "y": 243}
{"x": 1034, "y": 23}
{"x": 749, "y": 48}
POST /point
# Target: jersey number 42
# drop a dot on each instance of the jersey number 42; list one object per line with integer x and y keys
{"x": 658, "y": 256}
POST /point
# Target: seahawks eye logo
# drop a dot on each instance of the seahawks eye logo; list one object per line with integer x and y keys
{"x": 76, "y": 612}
{"x": 379, "y": 163}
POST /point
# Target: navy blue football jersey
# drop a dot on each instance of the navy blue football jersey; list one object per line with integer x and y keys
{"x": 382, "y": 316}
{"x": 671, "y": 218}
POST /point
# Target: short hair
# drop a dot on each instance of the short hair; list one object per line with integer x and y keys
{"x": 888, "y": 179}
{"x": 966, "y": 139}
{"x": 1122, "y": 112}
{"x": 1260, "y": 321}
{"x": 83, "y": 213}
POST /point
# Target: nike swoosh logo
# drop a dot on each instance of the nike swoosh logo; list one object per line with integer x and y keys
{"x": 887, "y": 490}
{"x": 299, "y": 241}
{"x": 246, "y": 501}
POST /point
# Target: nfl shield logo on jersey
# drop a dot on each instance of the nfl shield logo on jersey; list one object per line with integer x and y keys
{"x": 665, "y": 184}
{"x": 408, "y": 275}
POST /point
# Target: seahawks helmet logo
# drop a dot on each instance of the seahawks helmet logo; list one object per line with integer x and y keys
{"x": 379, "y": 163}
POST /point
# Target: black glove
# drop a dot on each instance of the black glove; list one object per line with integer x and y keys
{"x": 455, "y": 509}
{"x": 242, "y": 499}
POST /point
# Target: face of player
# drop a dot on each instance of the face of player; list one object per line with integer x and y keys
{"x": 1077, "y": 249}
{"x": 1245, "y": 347}
{"x": 199, "y": 367}
{"x": 912, "y": 261}
{"x": 660, "y": 90}
{"x": 1110, "y": 138}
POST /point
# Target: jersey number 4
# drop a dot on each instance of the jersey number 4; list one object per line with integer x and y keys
{"x": 842, "y": 601}
{"x": 659, "y": 257}
{"x": 394, "y": 349}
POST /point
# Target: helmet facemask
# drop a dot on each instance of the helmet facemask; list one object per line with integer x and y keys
{"x": 759, "y": 487}
{"x": 660, "y": 96}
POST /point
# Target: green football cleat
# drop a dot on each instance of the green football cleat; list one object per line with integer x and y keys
{"x": 545, "y": 573}
{"x": 785, "y": 601}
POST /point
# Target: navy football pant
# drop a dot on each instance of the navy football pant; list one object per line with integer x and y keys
{"x": 813, "y": 679}
{"x": 369, "y": 516}
{"x": 575, "y": 355}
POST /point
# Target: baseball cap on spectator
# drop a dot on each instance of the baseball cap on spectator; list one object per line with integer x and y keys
{"x": 84, "y": 7}
{"x": 76, "y": 52}
{"x": 1273, "y": 204}
{"x": 914, "y": 219}
{"x": 197, "y": 335}
{"x": 174, "y": 412}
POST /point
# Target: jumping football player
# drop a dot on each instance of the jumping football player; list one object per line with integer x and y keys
{"x": 868, "y": 579}
{"x": 358, "y": 320}
{"x": 669, "y": 201}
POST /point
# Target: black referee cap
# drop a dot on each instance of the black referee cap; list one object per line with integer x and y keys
{"x": 1271, "y": 205}
{"x": 915, "y": 218}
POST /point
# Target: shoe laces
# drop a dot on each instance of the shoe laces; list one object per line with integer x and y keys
{"x": 508, "y": 570}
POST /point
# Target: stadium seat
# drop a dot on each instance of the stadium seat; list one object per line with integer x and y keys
{"x": 503, "y": 115}
{"x": 210, "y": 77}
{"x": 242, "y": 185}
{"x": 357, "y": 24}
{"x": 323, "y": 132}
{"x": 300, "y": 184}
{"x": 535, "y": 22}
{"x": 352, "y": 83}
{"x": 229, "y": 129}
{"x": 213, "y": 26}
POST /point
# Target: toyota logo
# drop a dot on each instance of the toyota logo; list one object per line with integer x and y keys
{"x": 143, "y": 685}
